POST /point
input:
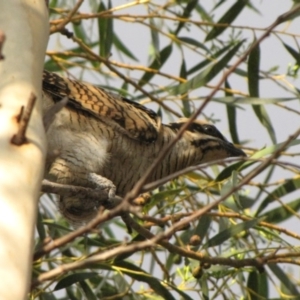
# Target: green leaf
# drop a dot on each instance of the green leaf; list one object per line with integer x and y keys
{"x": 282, "y": 213}
{"x": 231, "y": 116}
{"x": 138, "y": 274}
{"x": 52, "y": 4}
{"x": 80, "y": 32}
{"x": 230, "y": 232}
{"x": 250, "y": 100}
{"x": 106, "y": 32}
{"x": 284, "y": 279}
{"x": 257, "y": 285}
{"x": 293, "y": 52}
{"x": 291, "y": 14}
{"x": 73, "y": 278}
{"x": 184, "y": 98}
{"x": 119, "y": 45}
{"x": 40, "y": 227}
{"x": 204, "y": 287}
{"x": 156, "y": 64}
{"x": 209, "y": 60}
{"x": 227, "y": 18}
{"x": 265, "y": 120}
{"x": 203, "y": 225}
{"x": 205, "y": 76}
{"x": 193, "y": 42}
{"x": 259, "y": 154}
{"x": 253, "y": 86}
{"x": 289, "y": 186}
{"x": 253, "y": 71}
{"x": 52, "y": 65}
{"x": 180, "y": 292}
{"x": 191, "y": 4}
{"x": 205, "y": 16}
{"x": 89, "y": 294}
{"x": 155, "y": 39}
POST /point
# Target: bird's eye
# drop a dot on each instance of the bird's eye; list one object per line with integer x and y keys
{"x": 210, "y": 130}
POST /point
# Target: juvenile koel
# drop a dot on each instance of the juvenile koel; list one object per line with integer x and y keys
{"x": 115, "y": 140}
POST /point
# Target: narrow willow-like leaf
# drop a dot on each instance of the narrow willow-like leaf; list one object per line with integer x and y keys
{"x": 230, "y": 232}
{"x": 121, "y": 46}
{"x": 259, "y": 154}
{"x": 231, "y": 116}
{"x": 139, "y": 274}
{"x": 250, "y": 100}
{"x": 40, "y": 227}
{"x": 203, "y": 13}
{"x": 204, "y": 288}
{"x": 73, "y": 278}
{"x": 293, "y": 52}
{"x": 253, "y": 286}
{"x": 52, "y": 66}
{"x": 191, "y": 4}
{"x": 253, "y": 71}
{"x": 289, "y": 186}
{"x": 282, "y": 213}
{"x": 184, "y": 296}
{"x": 80, "y": 32}
{"x": 265, "y": 120}
{"x": 193, "y": 42}
{"x": 106, "y": 32}
{"x": 156, "y": 64}
{"x": 290, "y": 16}
{"x": 155, "y": 39}
{"x": 184, "y": 98}
{"x": 203, "y": 226}
{"x": 52, "y": 4}
{"x": 257, "y": 285}
{"x": 88, "y": 292}
{"x": 227, "y": 18}
{"x": 253, "y": 86}
{"x": 284, "y": 279}
{"x": 208, "y": 74}
{"x": 266, "y": 180}
{"x": 71, "y": 293}
{"x": 209, "y": 60}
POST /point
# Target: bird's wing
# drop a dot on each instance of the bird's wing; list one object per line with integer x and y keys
{"x": 128, "y": 117}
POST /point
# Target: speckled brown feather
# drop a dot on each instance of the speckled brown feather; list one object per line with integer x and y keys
{"x": 130, "y": 118}
{"x": 113, "y": 140}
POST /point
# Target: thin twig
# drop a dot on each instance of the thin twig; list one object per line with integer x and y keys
{"x": 100, "y": 218}
{"x": 139, "y": 185}
{"x": 61, "y": 26}
{"x": 107, "y": 63}
{"x": 153, "y": 185}
{"x": 244, "y": 181}
{"x": 23, "y": 120}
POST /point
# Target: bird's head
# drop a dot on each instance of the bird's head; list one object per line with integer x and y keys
{"x": 207, "y": 140}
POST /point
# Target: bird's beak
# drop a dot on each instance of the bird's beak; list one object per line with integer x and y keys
{"x": 233, "y": 151}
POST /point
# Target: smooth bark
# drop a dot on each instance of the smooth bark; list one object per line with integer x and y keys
{"x": 25, "y": 26}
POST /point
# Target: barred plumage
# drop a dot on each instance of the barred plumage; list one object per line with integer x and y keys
{"x": 118, "y": 139}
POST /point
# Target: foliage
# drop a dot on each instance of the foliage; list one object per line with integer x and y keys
{"x": 219, "y": 229}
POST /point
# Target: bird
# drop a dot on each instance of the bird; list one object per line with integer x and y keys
{"x": 102, "y": 139}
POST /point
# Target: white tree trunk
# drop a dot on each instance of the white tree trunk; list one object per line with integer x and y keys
{"x": 25, "y": 25}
